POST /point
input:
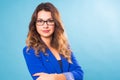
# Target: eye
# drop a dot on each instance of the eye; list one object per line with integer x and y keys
{"x": 50, "y": 21}
{"x": 40, "y": 21}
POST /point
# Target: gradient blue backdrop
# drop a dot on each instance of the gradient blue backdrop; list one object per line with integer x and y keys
{"x": 93, "y": 28}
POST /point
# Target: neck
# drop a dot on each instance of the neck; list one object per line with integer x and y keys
{"x": 47, "y": 41}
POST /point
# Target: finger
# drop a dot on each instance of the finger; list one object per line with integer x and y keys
{"x": 39, "y": 78}
{"x": 37, "y": 74}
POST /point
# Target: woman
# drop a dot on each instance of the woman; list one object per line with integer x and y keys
{"x": 47, "y": 53}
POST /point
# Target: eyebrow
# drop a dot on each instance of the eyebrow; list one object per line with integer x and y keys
{"x": 43, "y": 19}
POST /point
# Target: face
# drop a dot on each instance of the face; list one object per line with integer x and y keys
{"x": 45, "y": 24}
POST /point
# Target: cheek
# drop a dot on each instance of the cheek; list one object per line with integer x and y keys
{"x": 53, "y": 28}
{"x": 38, "y": 29}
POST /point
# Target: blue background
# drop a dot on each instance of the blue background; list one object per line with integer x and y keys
{"x": 92, "y": 26}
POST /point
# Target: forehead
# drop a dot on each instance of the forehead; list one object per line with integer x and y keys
{"x": 44, "y": 15}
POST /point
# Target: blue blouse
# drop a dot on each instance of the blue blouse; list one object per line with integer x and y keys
{"x": 46, "y": 62}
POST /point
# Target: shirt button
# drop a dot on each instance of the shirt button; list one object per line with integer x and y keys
{"x": 47, "y": 60}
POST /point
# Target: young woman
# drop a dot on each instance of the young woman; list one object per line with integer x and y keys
{"x": 47, "y": 52}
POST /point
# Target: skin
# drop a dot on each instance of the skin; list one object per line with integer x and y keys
{"x": 45, "y": 31}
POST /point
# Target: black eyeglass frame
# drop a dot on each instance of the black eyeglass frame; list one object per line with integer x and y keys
{"x": 49, "y": 22}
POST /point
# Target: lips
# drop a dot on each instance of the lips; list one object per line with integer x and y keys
{"x": 45, "y": 31}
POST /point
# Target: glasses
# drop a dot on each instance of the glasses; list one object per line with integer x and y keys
{"x": 42, "y": 22}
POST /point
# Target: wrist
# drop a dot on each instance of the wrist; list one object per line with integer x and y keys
{"x": 59, "y": 77}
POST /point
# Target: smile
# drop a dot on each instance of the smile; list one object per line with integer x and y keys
{"x": 45, "y": 31}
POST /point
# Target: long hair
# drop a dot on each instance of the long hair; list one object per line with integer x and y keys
{"x": 59, "y": 40}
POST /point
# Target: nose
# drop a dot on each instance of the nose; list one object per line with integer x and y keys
{"x": 45, "y": 25}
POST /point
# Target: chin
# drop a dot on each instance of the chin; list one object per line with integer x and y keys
{"x": 47, "y": 36}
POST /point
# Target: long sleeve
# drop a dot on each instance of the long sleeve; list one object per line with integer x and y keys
{"x": 48, "y": 64}
{"x": 75, "y": 69}
{"x": 69, "y": 76}
{"x": 33, "y": 62}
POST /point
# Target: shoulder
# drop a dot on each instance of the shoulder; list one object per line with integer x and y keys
{"x": 73, "y": 58}
{"x": 28, "y": 50}
{"x": 25, "y": 49}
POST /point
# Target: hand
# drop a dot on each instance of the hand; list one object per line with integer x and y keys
{"x": 44, "y": 76}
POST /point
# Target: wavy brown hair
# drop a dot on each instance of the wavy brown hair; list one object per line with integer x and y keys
{"x": 59, "y": 40}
